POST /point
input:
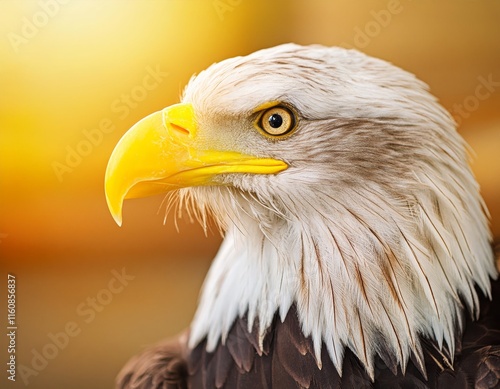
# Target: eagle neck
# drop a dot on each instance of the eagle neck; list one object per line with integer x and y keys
{"x": 363, "y": 279}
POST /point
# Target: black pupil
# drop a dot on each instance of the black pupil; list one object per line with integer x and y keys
{"x": 275, "y": 120}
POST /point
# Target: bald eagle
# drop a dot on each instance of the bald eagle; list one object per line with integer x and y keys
{"x": 356, "y": 249}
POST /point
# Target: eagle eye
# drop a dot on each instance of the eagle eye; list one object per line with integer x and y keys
{"x": 277, "y": 121}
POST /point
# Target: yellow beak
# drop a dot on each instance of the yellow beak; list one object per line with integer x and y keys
{"x": 158, "y": 154}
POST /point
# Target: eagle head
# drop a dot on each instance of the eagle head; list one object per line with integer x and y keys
{"x": 342, "y": 188}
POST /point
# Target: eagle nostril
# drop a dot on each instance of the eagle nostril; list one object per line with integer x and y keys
{"x": 178, "y": 129}
{"x": 179, "y": 120}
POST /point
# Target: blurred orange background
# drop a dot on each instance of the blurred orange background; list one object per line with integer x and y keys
{"x": 75, "y": 75}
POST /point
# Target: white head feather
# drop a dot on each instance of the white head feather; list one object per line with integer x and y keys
{"x": 376, "y": 231}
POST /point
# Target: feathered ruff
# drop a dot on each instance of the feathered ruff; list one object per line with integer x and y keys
{"x": 355, "y": 273}
{"x": 286, "y": 359}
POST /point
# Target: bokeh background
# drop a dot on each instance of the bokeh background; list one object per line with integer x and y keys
{"x": 74, "y": 72}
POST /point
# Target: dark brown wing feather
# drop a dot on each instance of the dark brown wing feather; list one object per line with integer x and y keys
{"x": 162, "y": 366}
{"x": 287, "y": 361}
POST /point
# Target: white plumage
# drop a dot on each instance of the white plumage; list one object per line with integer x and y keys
{"x": 376, "y": 228}
{"x": 356, "y": 241}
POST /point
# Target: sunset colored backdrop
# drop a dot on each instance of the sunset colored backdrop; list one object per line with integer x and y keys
{"x": 75, "y": 75}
